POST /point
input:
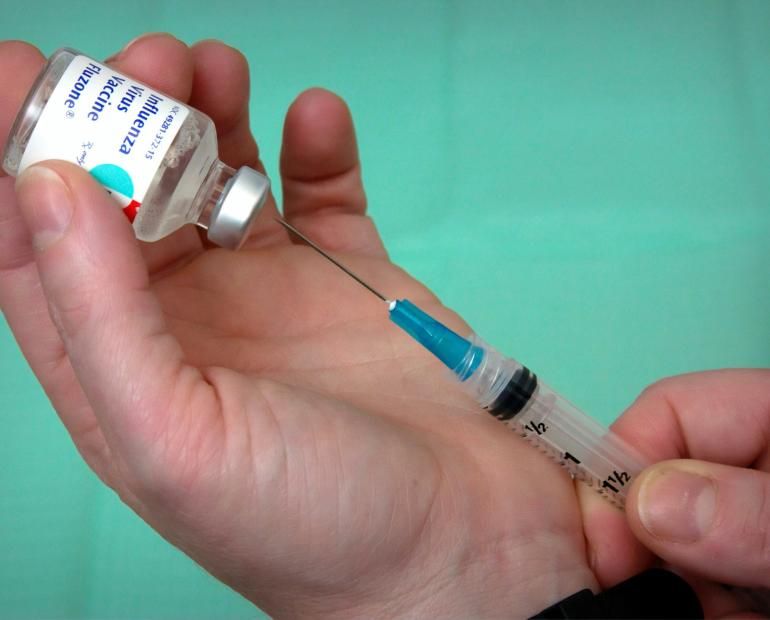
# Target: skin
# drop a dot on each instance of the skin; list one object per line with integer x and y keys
{"x": 715, "y": 424}
{"x": 257, "y": 408}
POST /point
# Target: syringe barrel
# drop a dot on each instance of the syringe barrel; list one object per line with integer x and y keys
{"x": 514, "y": 395}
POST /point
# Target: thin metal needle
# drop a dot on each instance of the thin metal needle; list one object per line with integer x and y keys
{"x": 288, "y": 226}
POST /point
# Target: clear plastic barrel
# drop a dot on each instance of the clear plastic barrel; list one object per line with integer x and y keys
{"x": 590, "y": 452}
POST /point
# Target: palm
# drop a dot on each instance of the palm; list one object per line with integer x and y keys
{"x": 346, "y": 435}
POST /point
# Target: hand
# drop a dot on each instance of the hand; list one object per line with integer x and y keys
{"x": 705, "y": 508}
{"x": 257, "y": 408}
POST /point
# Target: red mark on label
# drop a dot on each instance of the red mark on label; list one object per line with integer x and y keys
{"x": 131, "y": 209}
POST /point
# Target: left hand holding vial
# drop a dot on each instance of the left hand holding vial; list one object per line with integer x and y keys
{"x": 257, "y": 408}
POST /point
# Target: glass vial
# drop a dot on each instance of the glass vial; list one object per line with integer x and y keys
{"x": 156, "y": 156}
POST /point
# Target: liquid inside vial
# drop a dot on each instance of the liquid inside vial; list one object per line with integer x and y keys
{"x": 170, "y": 202}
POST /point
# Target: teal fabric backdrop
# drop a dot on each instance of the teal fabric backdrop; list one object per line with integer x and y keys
{"x": 585, "y": 182}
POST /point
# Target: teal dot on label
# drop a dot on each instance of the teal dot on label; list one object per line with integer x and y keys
{"x": 115, "y": 178}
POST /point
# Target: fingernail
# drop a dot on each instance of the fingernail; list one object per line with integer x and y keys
{"x": 46, "y": 205}
{"x": 676, "y": 505}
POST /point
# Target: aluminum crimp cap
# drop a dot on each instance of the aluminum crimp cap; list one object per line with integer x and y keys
{"x": 242, "y": 199}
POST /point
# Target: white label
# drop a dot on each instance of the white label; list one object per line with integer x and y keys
{"x": 114, "y": 127}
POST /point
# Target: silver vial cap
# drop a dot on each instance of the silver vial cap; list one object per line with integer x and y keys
{"x": 242, "y": 199}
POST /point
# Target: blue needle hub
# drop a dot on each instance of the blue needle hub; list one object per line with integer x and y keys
{"x": 446, "y": 345}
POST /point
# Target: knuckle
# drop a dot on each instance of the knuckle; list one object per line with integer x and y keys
{"x": 659, "y": 390}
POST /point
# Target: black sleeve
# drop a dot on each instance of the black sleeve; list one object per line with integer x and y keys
{"x": 653, "y": 594}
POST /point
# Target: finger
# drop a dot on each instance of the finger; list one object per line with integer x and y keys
{"x": 614, "y": 554}
{"x": 711, "y": 519}
{"x": 321, "y": 175}
{"x": 19, "y": 65}
{"x": 720, "y": 416}
{"x": 319, "y": 157}
{"x": 221, "y": 90}
{"x": 24, "y": 307}
{"x": 96, "y": 284}
{"x": 161, "y": 61}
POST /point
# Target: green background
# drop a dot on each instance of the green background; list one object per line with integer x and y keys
{"x": 586, "y": 182}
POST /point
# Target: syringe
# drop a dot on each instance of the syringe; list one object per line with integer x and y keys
{"x": 515, "y": 396}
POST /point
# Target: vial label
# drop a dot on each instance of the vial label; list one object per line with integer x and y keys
{"x": 117, "y": 129}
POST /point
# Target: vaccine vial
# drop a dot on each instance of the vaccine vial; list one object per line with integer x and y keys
{"x": 156, "y": 156}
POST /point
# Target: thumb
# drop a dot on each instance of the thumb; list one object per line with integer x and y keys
{"x": 713, "y": 520}
{"x": 97, "y": 288}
